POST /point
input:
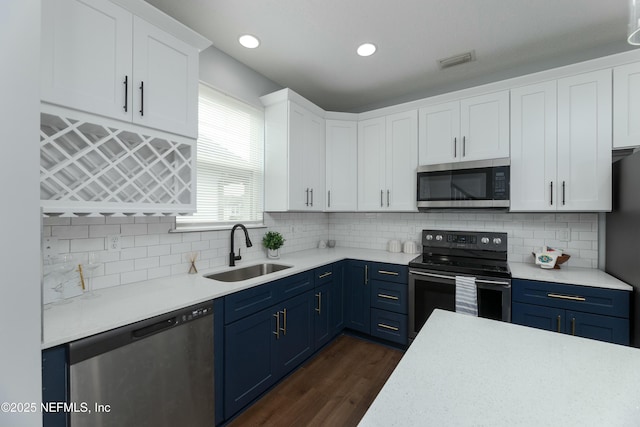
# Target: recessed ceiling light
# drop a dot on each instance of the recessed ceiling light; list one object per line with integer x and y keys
{"x": 366, "y": 49}
{"x": 249, "y": 41}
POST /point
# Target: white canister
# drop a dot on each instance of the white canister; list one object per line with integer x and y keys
{"x": 394, "y": 246}
{"x": 410, "y": 247}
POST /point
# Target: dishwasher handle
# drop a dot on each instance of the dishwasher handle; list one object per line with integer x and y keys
{"x": 155, "y": 327}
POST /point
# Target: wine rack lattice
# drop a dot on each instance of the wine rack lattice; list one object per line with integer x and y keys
{"x": 88, "y": 167}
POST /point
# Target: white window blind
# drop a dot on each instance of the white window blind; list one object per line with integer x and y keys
{"x": 229, "y": 162}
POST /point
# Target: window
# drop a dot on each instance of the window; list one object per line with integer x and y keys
{"x": 229, "y": 163}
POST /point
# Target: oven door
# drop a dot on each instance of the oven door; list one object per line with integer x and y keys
{"x": 429, "y": 289}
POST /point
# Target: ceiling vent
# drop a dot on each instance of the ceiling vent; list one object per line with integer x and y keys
{"x": 452, "y": 61}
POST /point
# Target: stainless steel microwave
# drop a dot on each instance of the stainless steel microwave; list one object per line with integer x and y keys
{"x": 478, "y": 184}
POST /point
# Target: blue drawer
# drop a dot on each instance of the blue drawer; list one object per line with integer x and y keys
{"x": 389, "y": 326}
{"x": 390, "y": 296}
{"x": 389, "y": 272}
{"x": 610, "y": 302}
{"x": 322, "y": 275}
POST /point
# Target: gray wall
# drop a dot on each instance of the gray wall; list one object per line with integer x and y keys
{"x": 20, "y": 308}
{"x": 232, "y": 77}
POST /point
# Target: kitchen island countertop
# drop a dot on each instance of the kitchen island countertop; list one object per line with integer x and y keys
{"x": 468, "y": 371}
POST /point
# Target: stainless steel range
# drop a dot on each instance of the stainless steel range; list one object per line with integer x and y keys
{"x": 462, "y": 254}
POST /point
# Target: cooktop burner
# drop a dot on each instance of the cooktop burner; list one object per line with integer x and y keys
{"x": 464, "y": 252}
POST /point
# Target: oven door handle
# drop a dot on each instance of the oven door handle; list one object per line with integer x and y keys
{"x": 442, "y": 276}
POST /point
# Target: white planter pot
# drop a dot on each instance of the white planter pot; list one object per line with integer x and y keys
{"x": 273, "y": 253}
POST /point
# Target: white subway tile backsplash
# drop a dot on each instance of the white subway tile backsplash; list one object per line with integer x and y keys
{"x": 150, "y": 251}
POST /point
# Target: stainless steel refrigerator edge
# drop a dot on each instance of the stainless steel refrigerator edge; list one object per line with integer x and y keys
{"x": 622, "y": 258}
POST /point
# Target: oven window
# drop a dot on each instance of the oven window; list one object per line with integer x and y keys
{"x": 490, "y": 303}
{"x": 429, "y": 296}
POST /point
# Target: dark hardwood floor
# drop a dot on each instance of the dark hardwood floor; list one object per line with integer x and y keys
{"x": 335, "y": 388}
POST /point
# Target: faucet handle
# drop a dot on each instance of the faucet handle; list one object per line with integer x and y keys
{"x": 239, "y": 257}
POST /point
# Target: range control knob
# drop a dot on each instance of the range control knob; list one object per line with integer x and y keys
{"x": 439, "y": 237}
{"x": 497, "y": 240}
{"x": 484, "y": 240}
{"x": 429, "y": 237}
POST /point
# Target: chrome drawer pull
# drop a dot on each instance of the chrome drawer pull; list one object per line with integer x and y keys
{"x": 388, "y": 297}
{"x": 390, "y": 273}
{"x": 392, "y": 328}
{"x": 323, "y": 275}
{"x": 569, "y": 297}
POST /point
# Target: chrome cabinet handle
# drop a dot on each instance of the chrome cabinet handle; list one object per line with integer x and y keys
{"x": 381, "y": 195}
{"x": 573, "y": 326}
{"x": 455, "y": 147}
{"x": 366, "y": 274}
{"x": 312, "y": 197}
{"x": 464, "y": 146}
{"x": 559, "y": 319}
{"x": 126, "y": 93}
{"x": 319, "y": 307}
{"x": 307, "y": 202}
{"x": 569, "y": 297}
{"x": 563, "y": 193}
{"x": 277, "y": 331}
{"x": 141, "y": 98}
{"x": 329, "y": 198}
{"x": 392, "y": 328}
{"x": 323, "y": 275}
{"x": 389, "y": 273}
{"x": 284, "y": 321}
{"x": 388, "y": 297}
{"x": 551, "y": 193}
{"x": 388, "y": 192}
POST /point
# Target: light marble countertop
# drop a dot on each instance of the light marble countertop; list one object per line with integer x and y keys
{"x": 122, "y": 305}
{"x": 468, "y": 371}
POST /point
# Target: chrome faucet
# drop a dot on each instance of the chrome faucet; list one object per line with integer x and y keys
{"x": 232, "y": 255}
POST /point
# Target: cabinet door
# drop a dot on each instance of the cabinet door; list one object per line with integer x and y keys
{"x": 401, "y": 161}
{"x": 165, "y": 71}
{"x": 371, "y": 164}
{"x": 314, "y": 162}
{"x": 626, "y": 106}
{"x": 533, "y": 148}
{"x": 86, "y": 56}
{"x": 55, "y": 384}
{"x": 484, "y": 126}
{"x": 538, "y": 316}
{"x": 597, "y": 327}
{"x": 357, "y": 294}
{"x": 439, "y": 134}
{"x": 337, "y": 298}
{"x": 249, "y": 359}
{"x": 584, "y": 142}
{"x": 295, "y": 342}
{"x": 342, "y": 165}
{"x": 298, "y": 182}
{"x": 322, "y": 315}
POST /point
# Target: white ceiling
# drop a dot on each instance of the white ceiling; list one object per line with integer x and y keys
{"x": 309, "y": 45}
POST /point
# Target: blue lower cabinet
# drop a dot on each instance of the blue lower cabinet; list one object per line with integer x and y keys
{"x": 249, "y": 359}
{"x": 587, "y": 325}
{"x": 322, "y": 323}
{"x": 55, "y": 384}
{"x": 357, "y": 295}
{"x": 389, "y": 326}
{"x": 295, "y": 342}
{"x": 337, "y": 298}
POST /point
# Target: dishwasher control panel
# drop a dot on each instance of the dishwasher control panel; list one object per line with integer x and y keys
{"x": 196, "y": 312}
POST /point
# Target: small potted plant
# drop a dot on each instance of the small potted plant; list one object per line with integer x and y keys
{"x": 273, "y": 241}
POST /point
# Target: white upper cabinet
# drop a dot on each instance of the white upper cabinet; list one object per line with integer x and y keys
{"x": 534, "y": 148}
{"x": 561, "y": 144}
{"x": 626, "y": 106}
{"x": 100, "y": 58}
{"x": 475, "y": 128}
{"x": 387, "y": 162}
{"x": 86, "y": 56}
{"x": 584, "y": 142}
{"x": 294, "y": 158}
{"x": 342, "y": 165}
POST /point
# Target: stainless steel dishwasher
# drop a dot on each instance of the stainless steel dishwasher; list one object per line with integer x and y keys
{"x": 157, "y": 372}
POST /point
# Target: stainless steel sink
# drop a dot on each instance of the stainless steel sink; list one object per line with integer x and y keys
{"x": 248, "y": 272}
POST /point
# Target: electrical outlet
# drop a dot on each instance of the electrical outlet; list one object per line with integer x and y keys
{"x": 49, "y": 247}
{"x": 113, "y": 243}
{"x": 562, "y": 235}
